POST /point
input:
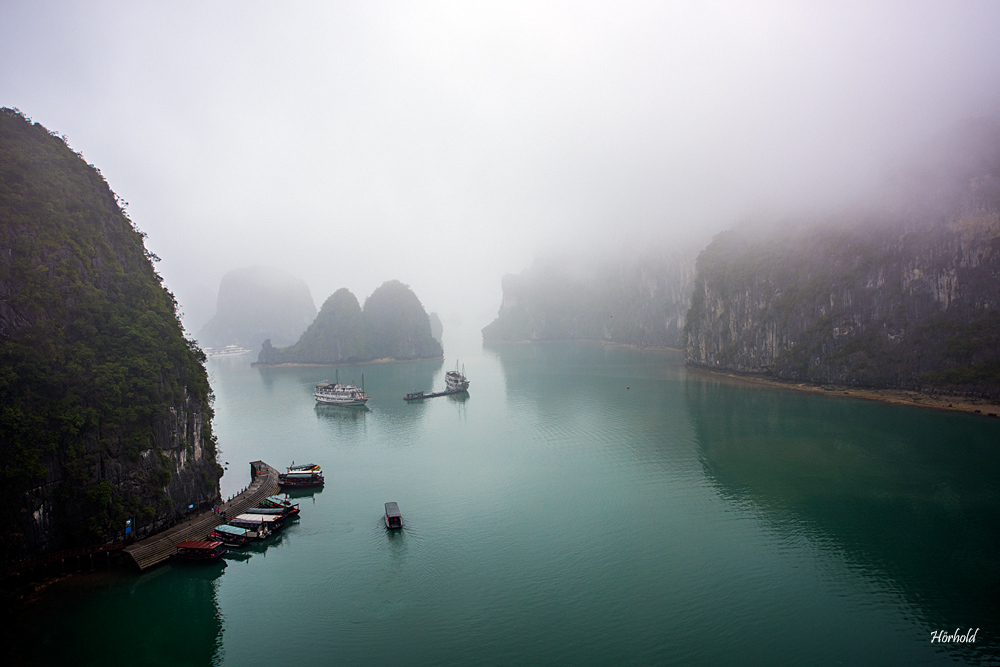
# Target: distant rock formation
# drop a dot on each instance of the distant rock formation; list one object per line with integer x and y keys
{"x": 337, "y": 335}
{"x": 392, "y": 325}
{"x": 637, "y": 300}
{"x": 437, "y": 329}
{"x": 104, "y": 406}
{"x": 909, "y": 299}
{"x": 259, "y": 303}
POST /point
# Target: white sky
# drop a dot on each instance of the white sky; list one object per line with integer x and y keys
{"x": 445, "y": 144}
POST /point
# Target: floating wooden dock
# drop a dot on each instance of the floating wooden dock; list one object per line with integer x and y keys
{"x": 419, "y": 395}
{"x": 158, "y": 548}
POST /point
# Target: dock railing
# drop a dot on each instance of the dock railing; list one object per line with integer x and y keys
{"x": 158, "y": 548}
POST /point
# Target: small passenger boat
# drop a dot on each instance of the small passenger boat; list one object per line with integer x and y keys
{"x": 263, "y": 525}
{"x": 305, "y": 467}
{"x": 199, "y": 551}
{"x": 300, "y": 480}
{"x": 414, "y": 396}
{"x": 393, "y": 519}
{"x": 232, "y": 536}
{"x": 277, "y": 501}
{"x": 287, "y": 512}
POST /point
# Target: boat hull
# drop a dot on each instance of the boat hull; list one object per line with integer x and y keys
{"x": 348, "y": 403}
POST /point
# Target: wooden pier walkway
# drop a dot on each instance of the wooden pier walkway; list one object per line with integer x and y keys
{"x": 160, "y": 547}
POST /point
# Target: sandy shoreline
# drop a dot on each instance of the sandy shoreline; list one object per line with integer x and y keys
{"x": 969, "y": 404}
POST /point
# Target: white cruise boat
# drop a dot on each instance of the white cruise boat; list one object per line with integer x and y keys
{"x": 334, "y": 393}
{"x": 227, "y": 351}
{"x": 456, "y": 381}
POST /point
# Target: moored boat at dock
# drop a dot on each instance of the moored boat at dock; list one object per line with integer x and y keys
{"x": 300, "y": 479}
{"x": 262, "y": 524}
{"x": 199, "y": 551}
{"x": 277, "y": 501}
{"x": 289, "y": 512}
{"x": 232, "y": 536}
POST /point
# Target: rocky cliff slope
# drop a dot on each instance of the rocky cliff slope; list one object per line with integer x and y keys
{"x": 637, "y": 300}
{"x": 259, "y": 303}
{"x": 104, "y": 406}
{"x": 392, "y": 325}
{"x": 906, "y": 299}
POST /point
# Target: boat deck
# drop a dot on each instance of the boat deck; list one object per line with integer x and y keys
{"x": 434, "y": 394}
{"x": 158, "y": 548}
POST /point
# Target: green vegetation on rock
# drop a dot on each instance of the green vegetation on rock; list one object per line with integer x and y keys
{"x": 392, "y": 325}
{"x": 907, "y": 297}
{"x": 95, "y": 372}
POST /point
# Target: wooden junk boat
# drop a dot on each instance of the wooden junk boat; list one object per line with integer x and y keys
{"x": 260, "y": 524}
{"x": 300, "y": 479}
{"x": 393, "y": 519}
{"x": 232, "y": 536}
{"x": 286, "y": 512}
{"x": 203, "y": 551}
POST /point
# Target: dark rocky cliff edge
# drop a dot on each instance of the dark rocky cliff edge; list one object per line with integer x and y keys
{"x": 636, "y": 300}
{"x": 905, "y": 300}
{"x": 392, "y": 325}
{"x": 105, "y": 408}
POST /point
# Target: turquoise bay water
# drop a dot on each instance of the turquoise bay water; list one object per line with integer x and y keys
{"x": 583, "y": 505}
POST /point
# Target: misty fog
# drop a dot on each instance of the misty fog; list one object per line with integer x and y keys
{"x": 445, "y": 145}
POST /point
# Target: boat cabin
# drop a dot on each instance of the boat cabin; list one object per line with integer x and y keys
{"x": 232, "y": 536}
{"x": 289, "y": 512}
{"x": 277, "y": 501}
{"x": 414, "y": 396}
{"x": 292, "y": 480}
{"x": 199, "y": 551}
{"x": 393, "y": 519}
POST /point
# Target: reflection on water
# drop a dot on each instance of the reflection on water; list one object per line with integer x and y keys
{"x": 585, "y": 505}
{"x": 169, "y": 616}
{"x": 348, "y": 421}
{"x": 911, "y": 496}
{"x": 308, "y": 492}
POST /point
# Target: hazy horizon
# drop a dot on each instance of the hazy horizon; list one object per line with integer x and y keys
{"x": 445, "y": 145}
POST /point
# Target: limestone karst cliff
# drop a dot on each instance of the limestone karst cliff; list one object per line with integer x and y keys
{"x": 908, "y": 298}
{"x": 392, "y": 325}
{"x": 105, "y": 410}
{"x": 259, "y": 303}
{"x": 637, "y": 300}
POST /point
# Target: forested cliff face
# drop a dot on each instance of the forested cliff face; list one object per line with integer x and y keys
{"x": 392, "y": 325}
{"x": 104, "y": 405}
{"x": 635, "y": 300}
{"x": 909, "y": 299}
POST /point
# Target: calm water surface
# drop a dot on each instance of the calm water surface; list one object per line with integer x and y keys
{"x": 582, "y": 505}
